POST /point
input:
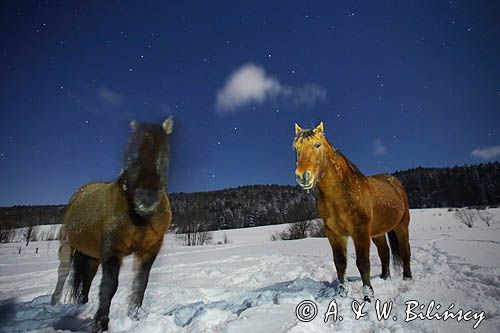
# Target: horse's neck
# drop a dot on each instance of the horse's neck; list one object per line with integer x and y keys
{"x": 337, "y": 175}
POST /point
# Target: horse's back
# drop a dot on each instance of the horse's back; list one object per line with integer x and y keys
{"x": 389, "y": 202}
{"x": 90, "y": 210}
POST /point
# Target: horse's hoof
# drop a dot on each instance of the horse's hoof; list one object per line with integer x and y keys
{"x": 54, "y": 301}
{"x": 407, "y": 277}
{"x": 368, "y": 293}
{"x": 100, "y": 323}
{"x": 82, "y": 300}
{"x": 342, "y": 290}
{"x": 134, "y": 313}
{"x": 385, "y": 276}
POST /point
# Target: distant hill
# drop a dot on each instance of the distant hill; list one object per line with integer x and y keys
{"x": 259, "y": 205}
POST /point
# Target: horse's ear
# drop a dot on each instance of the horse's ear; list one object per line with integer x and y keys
{"x": 297, "y": 129}
{"x": 133, "y": 125}
{"x": 168, "y": 125}
{"x": 320, "y": 128}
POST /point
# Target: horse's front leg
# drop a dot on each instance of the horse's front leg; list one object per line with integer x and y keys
{"x": 361, "y": 238}
{"x": 339, "y": 249}
{"x": 143, "y": 263}
{"x": 107, "y": 289}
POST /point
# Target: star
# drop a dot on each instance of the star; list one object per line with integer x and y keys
{"x": 269, "y": 55}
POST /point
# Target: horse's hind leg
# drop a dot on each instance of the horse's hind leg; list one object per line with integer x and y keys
{"x": 84, "y": 270}
{"x": 93, "y": 264}
{"x": 142, "y": 265}
{"x": 65, "y": 256}
{"x": 383, "y": 253}
{"x": 403, "y": 237}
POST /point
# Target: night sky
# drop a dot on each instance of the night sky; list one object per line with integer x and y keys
{"x": 398, "y": 84}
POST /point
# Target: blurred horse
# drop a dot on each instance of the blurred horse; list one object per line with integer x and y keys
{"x": 352, "y": 204}
{"x": 106, "y": 221}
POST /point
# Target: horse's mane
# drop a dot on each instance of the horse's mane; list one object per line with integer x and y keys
{"x": 352, "y": 166}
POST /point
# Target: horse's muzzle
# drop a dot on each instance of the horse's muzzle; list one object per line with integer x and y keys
{"x": 305, "y": 180}
{"x": 146, "y": 200}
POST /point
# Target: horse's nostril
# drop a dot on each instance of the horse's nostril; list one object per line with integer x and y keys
{"x": 299, "y": 177}
{"x": 307, "y": 176}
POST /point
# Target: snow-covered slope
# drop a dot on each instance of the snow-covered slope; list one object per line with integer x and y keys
{"x": 253, "y": 284}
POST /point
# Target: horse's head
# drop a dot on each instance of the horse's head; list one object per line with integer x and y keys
{"x": 311, "y": 147}
{"x": 146, "y": 163}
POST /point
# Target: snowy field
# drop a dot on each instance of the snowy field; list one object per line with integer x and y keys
{"x": 254, "y": 284}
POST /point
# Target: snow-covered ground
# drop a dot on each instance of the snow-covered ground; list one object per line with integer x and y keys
{"x": 254, "y": 284}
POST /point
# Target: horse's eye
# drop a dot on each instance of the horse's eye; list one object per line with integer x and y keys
{"x": 317, "y": 145}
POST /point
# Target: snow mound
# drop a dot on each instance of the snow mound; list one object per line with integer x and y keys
{"x": 290, "y": 292}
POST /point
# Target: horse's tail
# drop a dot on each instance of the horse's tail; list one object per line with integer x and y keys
{"x": 396, "y": 253}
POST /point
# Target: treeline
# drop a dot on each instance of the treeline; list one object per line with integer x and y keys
{"x": 245, "y": 206}
{"x": 259, "y": 205}
{"x": 459, "y": 186}
{"x": 25, "y": 216}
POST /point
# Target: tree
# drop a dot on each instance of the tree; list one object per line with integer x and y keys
{"x": 193, "y": 228}
{"x": 6, "y": 234}
{"x": 317, "y": 229}
{"x": 297, "y": 230}
{"x": 485, "y": 216}
{"x": 466, "y": 216}
{"x": 29, "y": 233}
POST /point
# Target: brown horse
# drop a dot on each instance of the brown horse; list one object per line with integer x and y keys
{"x": 352, "y": 204}
{"x": 106, "y": 221}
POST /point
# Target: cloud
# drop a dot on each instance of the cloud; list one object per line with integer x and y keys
{"x": 306, "y": 95}
{"x": 379, "y": 148}
{"x": 486, "y": 153}
{"x": 250, "y": 83}
{"x": 110, "y": 97}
